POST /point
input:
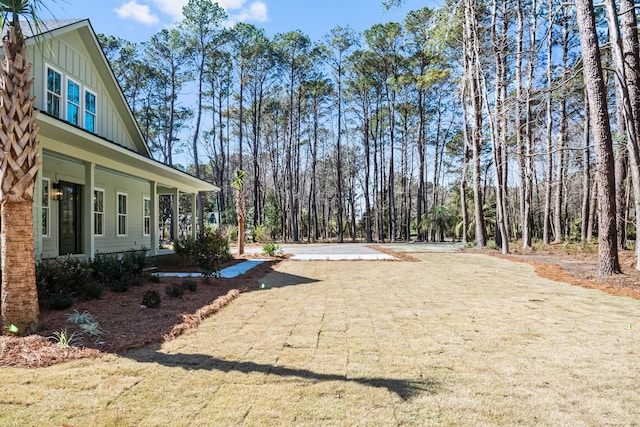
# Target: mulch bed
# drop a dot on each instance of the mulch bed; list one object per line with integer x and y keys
{"x": 125, "y": 323}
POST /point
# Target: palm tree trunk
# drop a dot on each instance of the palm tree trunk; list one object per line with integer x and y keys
{"x": 18, "y": 169}
{"x": 19, "y": 294}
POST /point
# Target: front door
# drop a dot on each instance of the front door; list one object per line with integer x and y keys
{"x": 70, "y": 219}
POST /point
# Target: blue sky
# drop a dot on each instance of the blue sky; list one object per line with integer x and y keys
{"x": 138, "y": 20}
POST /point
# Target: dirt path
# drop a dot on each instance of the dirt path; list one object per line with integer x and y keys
{"x": 454, "y": 339}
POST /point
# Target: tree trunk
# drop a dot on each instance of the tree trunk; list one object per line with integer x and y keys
{"x": 586, "y": 173}
{"x": 19, "y": 164}
{"x": 608, "y": 263}
{"x": 631, "y": 49}
{"x": 472, "y": 69}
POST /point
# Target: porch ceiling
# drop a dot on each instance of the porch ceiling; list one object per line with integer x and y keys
{"x": 63, "y": 138}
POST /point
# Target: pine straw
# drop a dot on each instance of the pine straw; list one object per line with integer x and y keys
{"x": 36, "y": 351}
{"x": 125, "y": 324}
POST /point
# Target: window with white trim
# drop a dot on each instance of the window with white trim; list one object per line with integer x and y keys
{"x": 98, "y": 212}
{"x": 54, "y": 91}
{"x": 73, "y": 102}
{"x": 46, "y": 195}
{"x": 89, "y": 110}
{"x": 146, "y": 216}
{"x": 122, "y": 214}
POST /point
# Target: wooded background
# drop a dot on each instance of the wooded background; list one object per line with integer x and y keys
{"x": 472, "y": 121}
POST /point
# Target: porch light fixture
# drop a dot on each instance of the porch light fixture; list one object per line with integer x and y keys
{"x": 56, "y": 193}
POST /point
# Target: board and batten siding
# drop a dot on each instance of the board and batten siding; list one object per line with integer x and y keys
{"x": 58, "y": 169}
{"x": 68, "y": 55}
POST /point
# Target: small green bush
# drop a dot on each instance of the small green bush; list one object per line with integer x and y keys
{"x": 93, "y": 291}
{"x": 189, "y": 285}
{"x": 59, "y": 301}
{"x": 174, "y": 290}
{"x": 59, "y": 281}
{"x": 120, "y": 284}
{"x": 271, "y": 249}
{"x": 151, "y": 299}
{"x": 208, "y": 251}
{"x": 262, "y": 233}
{"x": 212, "y": 252}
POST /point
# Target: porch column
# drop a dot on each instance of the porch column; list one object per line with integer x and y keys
{"x": 194, "y": 215}
{"x": 88, "y": 226}
{"x": 176, "y": 213}
{"x": 155, "y": 223}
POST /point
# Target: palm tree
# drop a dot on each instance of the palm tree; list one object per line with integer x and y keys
{"x": 241, "y": 210}
{"x": 19, "y": 164}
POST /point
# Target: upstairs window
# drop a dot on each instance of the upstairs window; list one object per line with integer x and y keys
{"x": 73, "y": 102}
{"x": 54, "y": 91}
{"x": 89, "y": 111}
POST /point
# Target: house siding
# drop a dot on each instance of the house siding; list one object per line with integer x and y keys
{"x": 69, "y": 55}
{"x": 58, "y": 169}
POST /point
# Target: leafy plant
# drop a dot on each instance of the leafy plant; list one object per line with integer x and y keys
{"x": 61, "y": 280}
{"x": 151, "y": 299}
{"x": 59, "y": 301}
{"x": 91, "y": 328}
{"x": 189, "y": 285}
{"x": 174, "y": 290}
{"x": 271, "y": 249}
{"x": 64, "y": 339}
{"x": 212, "y": 251}
{"x": 84, "y": 317}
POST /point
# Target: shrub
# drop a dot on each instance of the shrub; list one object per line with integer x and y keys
{"x": 208, "y": 251}
{"x": 271, "y": 249}
{"x": 59, "y": 301}
{"x": 189, "y": 285}
{"x": 262, "y": 233}
{"x": 120, "y": 272}
{"x": 151, "y": 299}
{"x": 61, "y": 280}
{"x": 174, "y": 290}
{"x": 106, "y": 268}
{"x": 93, "y": 291}
{"x": 212, "y": 251}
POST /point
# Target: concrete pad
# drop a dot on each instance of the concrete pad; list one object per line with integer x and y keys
{"x": 226, "y": 273}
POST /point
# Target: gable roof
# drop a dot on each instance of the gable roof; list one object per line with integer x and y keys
{"x": 52, "y": 28}
{"x": 105, "y": 152}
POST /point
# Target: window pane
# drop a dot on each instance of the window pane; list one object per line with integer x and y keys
{"x": 122, "y": 224}
{"x": 54, "y": 92}
{"x": 122, "y": 204}
{"x": 98, "y": 221}
{"x": 72, "y": 114}
{"x": 54, "y": 81}
{"x": 89, "y": 111}
{"x": 45, "y": 193}
{"x": 89, "y": 122}
{"x": 98, "y": 201}
{"x": 45, "y": 221}
{"x": 53, "y": 104}
{"x": 73, "y": 102}
{"x": 90, "y": 102}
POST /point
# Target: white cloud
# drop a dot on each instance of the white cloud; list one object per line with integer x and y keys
{"x": 137, "y": 12}
{"x": 256, "y": 12}
{"x": 231, "y": 4}
{"x": 172, "y": 8}
{"x": 237, "y": 10}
